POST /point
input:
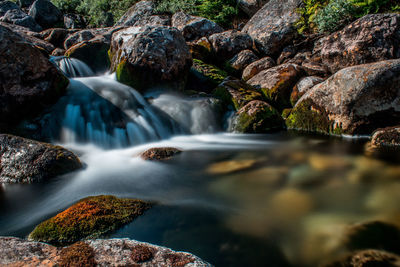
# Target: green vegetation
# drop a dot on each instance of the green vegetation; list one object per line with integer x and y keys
{"x": 331, "y": 15}
{"x": 91, "y": 217}
{"x": 107, "y": 12}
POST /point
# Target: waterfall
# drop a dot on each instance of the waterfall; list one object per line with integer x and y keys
{"x": 104, "y": 112}
{"x": 72, "y": 67}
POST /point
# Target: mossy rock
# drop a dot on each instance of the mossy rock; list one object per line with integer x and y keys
{"x": 204, "y": 77}
{"x": 236, "y": 93}
{"x": 91, "y": 217}
{"x": 257, "y": 117}
{"x": 306, "y": 116}
{"x": 79, "y": 254}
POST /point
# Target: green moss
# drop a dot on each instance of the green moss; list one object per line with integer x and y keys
{"x": 307, "y": 117}
{"x": 264, "y": 119}
{"x": 210, "y": 72}
{"x": 286, "y": 112}
{"x": 236, "y": 93}
{"x": 91, "y": 217}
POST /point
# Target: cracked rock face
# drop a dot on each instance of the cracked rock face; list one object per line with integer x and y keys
{"x": 272, "y": 26}
{"x": 101, "y": 252}
{"x": 369, "y": 39}
{"x": 144, "y": 57}
{"x": 355, "y": 100}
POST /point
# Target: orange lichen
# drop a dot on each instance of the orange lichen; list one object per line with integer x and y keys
{"x": 79, "y": 254}
{"x": 141, "y": 253}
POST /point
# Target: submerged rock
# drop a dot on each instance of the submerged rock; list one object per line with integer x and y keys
{"x": 160, "y": 153}
{"x": 386, "y": 137}
{"x": 145, "y": 57}
{"x": 90, "y": 217}
{"x": 28, "y": 81}
{"x": 27, "y": 161}
{"x": 100, "y": 252}
{"x": 193, "y": 28}
{"x": 257, "y": 117}
{"x": 277, "y": 83}
{"x": 230, "y": 166}
{"x": 369, "y": 39}
{"x": 272, "y": 27}
{"x": 366, "y": 258}
{"x": 356, "y": 100}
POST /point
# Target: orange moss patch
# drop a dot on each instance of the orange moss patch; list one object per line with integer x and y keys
{"x": 79, "y": 254}
{"x": 142, "y": 253}
{"x": 89, "y": 218}
{"x": 178, "y": 259}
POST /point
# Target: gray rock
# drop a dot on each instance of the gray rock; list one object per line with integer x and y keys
{"x": 18, "y": 17}
{"x": 27, "y": 161}
{"x": 369, "y": 39}
{"x": 272, "y": 26}
{"x": 7, "y": 6}
{"x": 28, "y": 81}
{"x": 303, "y": 86}
{"x": 104, "y": 252}
{"x": 156, "y": 20}
{"x": 88, "y": 34}
{"x": 193, "y": 28}
{"x": 136, "y": 13}
{"x": 250, "y": 7}
{"x": 144, "y": 57}
{"x": 45, "y": 14}
{"x": 256, "y": 67}
{"x": 239, "y": 62}
{"x": 227, "y": 44}
{"x": 355, "y": 100}
{"x": 73, "y": 21}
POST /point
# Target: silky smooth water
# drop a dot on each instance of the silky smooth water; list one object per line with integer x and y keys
{"x": 234, "y": 200}
{"x": 282, "y": 199}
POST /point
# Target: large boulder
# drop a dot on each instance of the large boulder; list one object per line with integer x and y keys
{"x": 90, "y": 217}
{"x": 137, "y": 12}
{"x": 27, "y": 161}
{"x": 144, "y": 57}
{"x": 6, "y": 6}
{"x": 389, "y": 137}
{"x": 303, "y": 86}
{"x": 250, "y": 7}
{"x": 204, "y": 77}
{"x": 369, "y": 39}
{"x": 46, "y": 14}
{"x": 277, "y": 83}
{"x": 355, "y": 100}
{"x": 272, "y": 26}
{"x": 100, "y": 252}
{"x": 257, "y": 117}
{"x": 28, "y": 81}
{"x": 193, "y": 28}
{"x": 227, "y": 44}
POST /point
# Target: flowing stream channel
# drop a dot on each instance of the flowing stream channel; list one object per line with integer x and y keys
{"x": 234, "y": 200}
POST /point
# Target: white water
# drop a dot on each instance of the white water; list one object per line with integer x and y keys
{"x": 72, "y": 67}
{"x": 100, "y": 110}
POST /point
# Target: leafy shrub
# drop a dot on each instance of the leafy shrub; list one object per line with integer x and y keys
{"x": 307, "y": 14}
{"x": 376, "y": 6}
{"x": 221, "y": 11}
{"x": 335, "y": 15}
{"x": 173, "y": 6}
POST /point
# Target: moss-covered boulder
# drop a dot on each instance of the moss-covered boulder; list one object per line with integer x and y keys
{"x": 28, "y": 161}
{"x": 277, "y": 83}
{"x": 146, "y": 57}
{"x": 201, "y": 49}
{"x": 236, "y": 93}
{"x": 204, "y": 77}
{"x": 356, "y": 100}
{"x": 91, "y": 217}
{"x": 257, "y": 117}
{"x": 160, "y": 153}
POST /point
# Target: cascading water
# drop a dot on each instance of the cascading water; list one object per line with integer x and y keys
{"x": 102, "y": 111}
